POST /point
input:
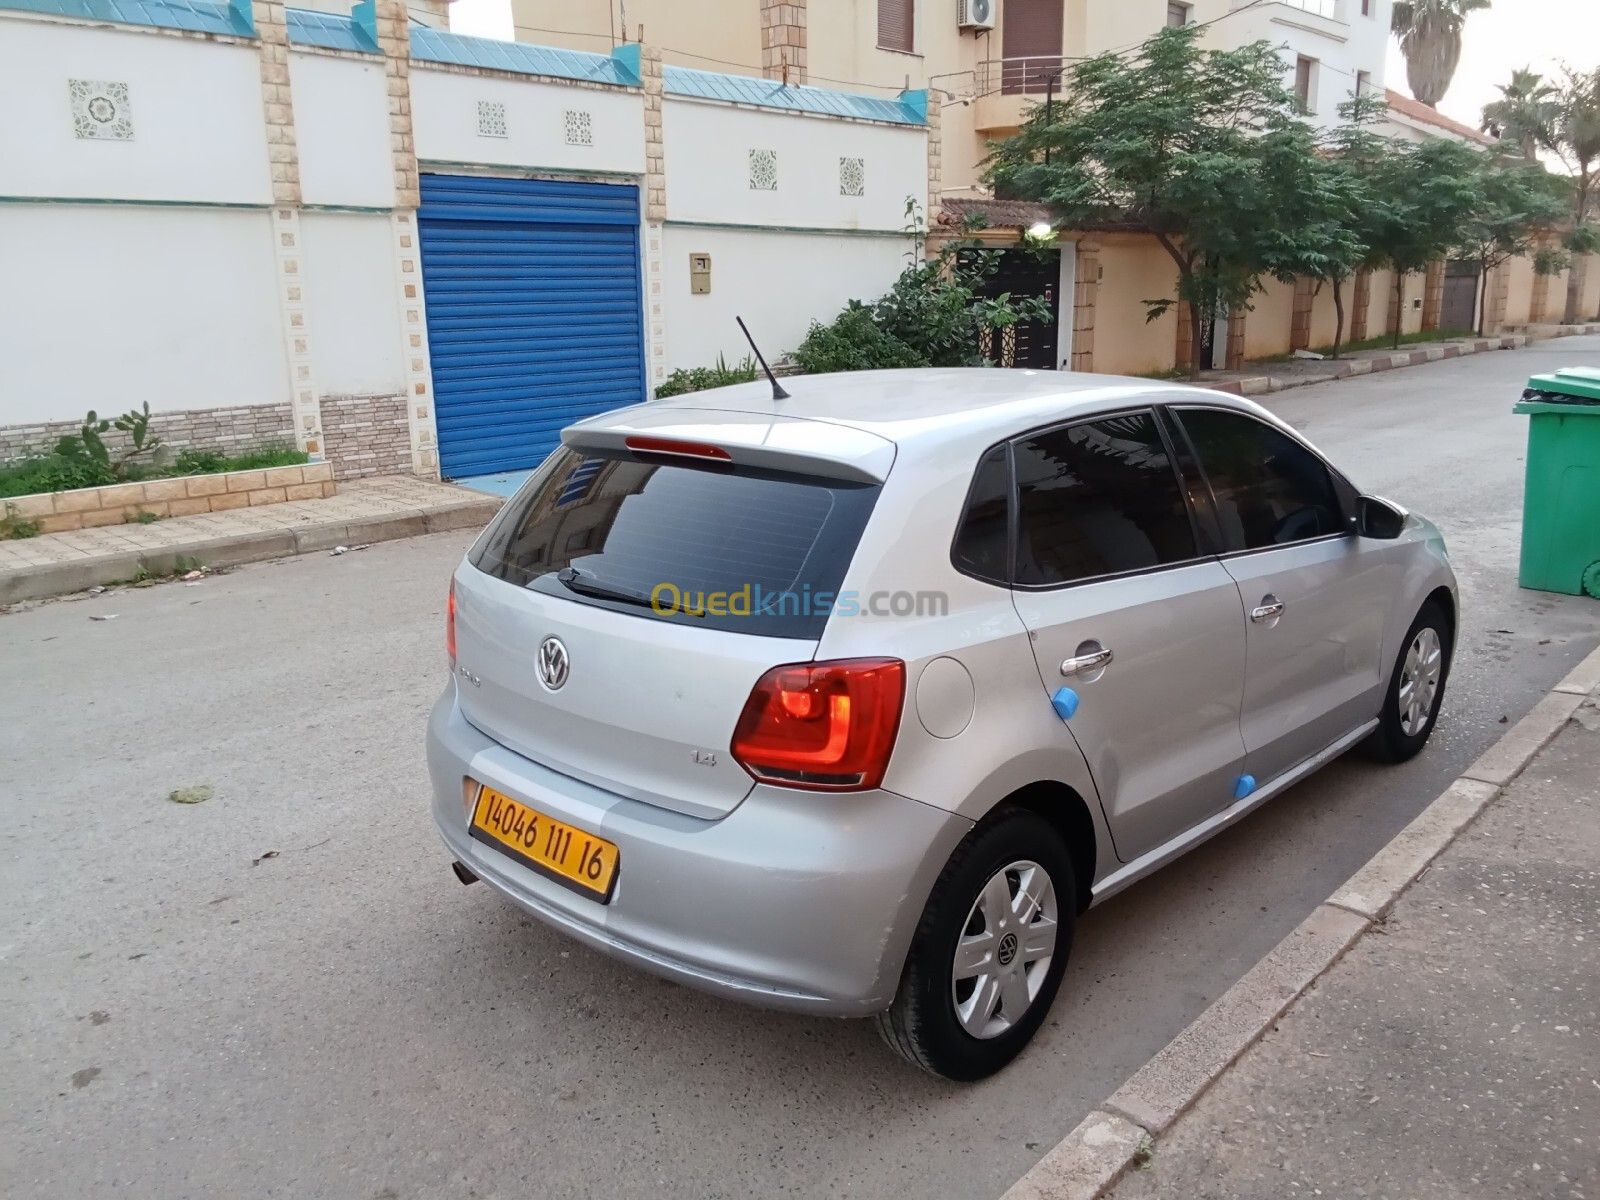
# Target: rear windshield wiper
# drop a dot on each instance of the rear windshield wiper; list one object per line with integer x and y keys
{"x": 585, "y": 584}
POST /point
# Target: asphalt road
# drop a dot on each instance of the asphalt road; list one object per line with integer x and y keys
{"x": 284, "y": 992}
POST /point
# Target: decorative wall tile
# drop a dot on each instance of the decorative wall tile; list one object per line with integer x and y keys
{"x": 580, "y": 129}
{"x": 763, "y": 170}
{"x": 491, "y": 118}
{"x": 101, "y": 110}
{"x": 852, "y": 177}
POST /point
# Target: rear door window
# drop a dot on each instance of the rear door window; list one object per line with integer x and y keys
{"x": 724, "y": 548}
{"x": 1098, "y": 498}
{"x": 982, "y": 545}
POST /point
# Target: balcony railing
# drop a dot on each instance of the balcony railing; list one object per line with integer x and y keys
{"x": 1019, "y": 76}
{"x": 1333, "y": 10}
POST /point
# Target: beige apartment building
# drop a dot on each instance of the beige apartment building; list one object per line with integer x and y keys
{"x": 985, "y": 59}
{"x": 984, "y": 63}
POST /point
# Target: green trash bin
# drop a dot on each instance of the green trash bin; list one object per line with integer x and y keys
{"x": 1561, "y": 496}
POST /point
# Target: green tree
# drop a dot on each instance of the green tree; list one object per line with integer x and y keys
{"x": 1512, "y": 205}
{"x": 1575, "y": 140}
{"x": 1430, "y": 39}
{"x": 1424, "y": 196}
{"x": 1201, "y": 149}
{"x": 1525, "y": 114}
{"x": 1335, "y": 202}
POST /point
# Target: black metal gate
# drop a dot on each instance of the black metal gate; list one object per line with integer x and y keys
{"x": 1031, "y": 344}
{"x": 1460, "y": 307}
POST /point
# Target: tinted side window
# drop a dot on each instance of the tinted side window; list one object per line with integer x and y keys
{"x": 1096, "y": 499}
{"x": 1270, "y": 489}
{"x": 982, "y": 539}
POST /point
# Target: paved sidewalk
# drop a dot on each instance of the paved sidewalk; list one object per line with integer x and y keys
{"x": 364, "y": 511}
{"x": 1454, "y": 1052}
{"x": 1259, "y": 378}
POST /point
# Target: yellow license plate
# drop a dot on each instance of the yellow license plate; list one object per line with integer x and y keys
{"x": 579, "y": 860}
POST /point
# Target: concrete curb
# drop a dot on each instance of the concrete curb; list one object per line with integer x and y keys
{"x": 58, "y": 579}
{"x": 1089, "y": 1161}
{"x": 1258, "y": 385}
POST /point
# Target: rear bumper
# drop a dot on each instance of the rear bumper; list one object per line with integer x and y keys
{"x": 795, "y": 900}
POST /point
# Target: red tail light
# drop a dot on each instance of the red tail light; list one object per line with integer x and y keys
{"x": 450, "y": 626}
{"x": 655, "y": 445}
{"x": 829, "y": 726}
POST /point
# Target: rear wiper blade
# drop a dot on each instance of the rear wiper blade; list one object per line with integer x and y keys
{"x": 585, "y": 584}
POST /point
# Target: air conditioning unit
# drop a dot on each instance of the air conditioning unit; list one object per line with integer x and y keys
{"x": 975, "y": 14}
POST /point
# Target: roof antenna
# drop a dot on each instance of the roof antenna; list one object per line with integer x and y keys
{"x": 777, "y": 391}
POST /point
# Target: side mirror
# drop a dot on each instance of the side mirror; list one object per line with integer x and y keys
{"x": 1380, "y": 519}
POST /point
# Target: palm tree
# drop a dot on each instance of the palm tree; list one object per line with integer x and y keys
{"x": 1430, "y": 38}
{"x": 1526, "y": 113}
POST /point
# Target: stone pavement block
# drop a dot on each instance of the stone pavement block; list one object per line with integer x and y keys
{"x": 30, "y": 506}
{"x": 76, "y": 502}
{"x": 1584, "y": 678}
{"x": 467, "y": 516}
{"x": 234, "y": 551}
{"x": 1084, "y": 1163}
{"x": 1166, "y": 1085}
{"x": 363, "y": 511}
{"x": 1501, "y": 763}
{"x": 204, "y": 485}
{"x": 321, "y": 537}
{"x": 1451, "y": 1058}
{"x": 1377, "y": 885}
{"x": 74, "y": 576}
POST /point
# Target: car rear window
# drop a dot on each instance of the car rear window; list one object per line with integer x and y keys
{"x": 724, "y": 548}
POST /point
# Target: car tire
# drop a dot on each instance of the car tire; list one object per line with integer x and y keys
{"x": 1401, "y": 731}
{"x": 966, "y": 1029}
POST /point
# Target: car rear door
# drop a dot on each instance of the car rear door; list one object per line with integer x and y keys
{"x": 1313, "y": 604}
{"x": 1128, "y": 612}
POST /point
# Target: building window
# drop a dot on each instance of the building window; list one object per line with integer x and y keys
{"x": 1363, "y": 82}
{"x": 1303, "y": 70}
{"x": 763, "y": 170}
{"x": 1178, "y": 14}
{"x": 1366, "y": 8}
{"x": 896, "y": 25}
{"x": 1030, "y": 46}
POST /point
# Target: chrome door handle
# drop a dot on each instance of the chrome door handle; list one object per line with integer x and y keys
{"x": 1267, "y": 612}
{"x": 1086, "y": 662}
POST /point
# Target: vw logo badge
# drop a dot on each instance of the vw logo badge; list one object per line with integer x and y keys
{"x": 1008, "y": 949}
{"x": 554, "y": 665}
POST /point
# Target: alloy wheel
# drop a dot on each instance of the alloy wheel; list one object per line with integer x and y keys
{"x": 1419, "y": 681}
{"x": 1004, "y": 952}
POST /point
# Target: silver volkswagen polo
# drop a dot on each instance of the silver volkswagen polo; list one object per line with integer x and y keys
{"x": 852, "y": 701}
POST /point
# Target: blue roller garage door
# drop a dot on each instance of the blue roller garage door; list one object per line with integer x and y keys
{"x": 535, "y": 315}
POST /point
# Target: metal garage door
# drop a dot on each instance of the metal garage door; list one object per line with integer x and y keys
{"x": 534, "y": 312}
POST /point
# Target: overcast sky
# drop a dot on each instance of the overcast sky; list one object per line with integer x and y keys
{"x": 1514, "y": 33}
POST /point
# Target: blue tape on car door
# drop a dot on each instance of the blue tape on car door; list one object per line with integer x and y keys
{"x": 1246, "y": 785}
{"x": 1065, "y": 702}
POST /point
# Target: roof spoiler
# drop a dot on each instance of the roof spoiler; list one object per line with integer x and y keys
{"x": 770, "y": 443}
